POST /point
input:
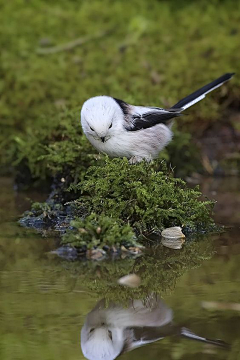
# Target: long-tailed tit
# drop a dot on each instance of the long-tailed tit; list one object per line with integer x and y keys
{"x": 119, "y": 129}
{"x": 110, "y": 331}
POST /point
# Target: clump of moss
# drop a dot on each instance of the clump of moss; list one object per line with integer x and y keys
{"x": 57, "y": 148}
{"x": 47, "y": 216}
{"x": 98, "y": 231}
{"x": 45, "y": 209}
{"x": 145, "y": 195}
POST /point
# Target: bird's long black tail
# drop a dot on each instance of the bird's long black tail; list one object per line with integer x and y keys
{"x": 190, "y": 335}
{"x": 201, "y": 93}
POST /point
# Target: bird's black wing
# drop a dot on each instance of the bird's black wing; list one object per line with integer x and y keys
{"x": 151, "y": 118}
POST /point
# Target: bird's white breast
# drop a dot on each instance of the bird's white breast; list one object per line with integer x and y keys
{"x": 146, "y": 143}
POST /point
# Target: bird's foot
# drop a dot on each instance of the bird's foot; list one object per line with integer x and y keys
{"x": 137, "y": 159}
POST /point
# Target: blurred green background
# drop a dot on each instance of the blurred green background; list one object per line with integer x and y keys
{"x": 146, "y": 52}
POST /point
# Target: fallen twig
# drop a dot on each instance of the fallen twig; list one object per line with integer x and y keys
{"x": 70, "y": 45}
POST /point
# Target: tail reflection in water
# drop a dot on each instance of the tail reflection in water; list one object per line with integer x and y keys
{"x": 110, "y": 331}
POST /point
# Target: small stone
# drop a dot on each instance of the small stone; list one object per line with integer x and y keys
{"x": 96, "y": 254}
{"x": 172, "y": 243}
{"x": 98, "y": 231}
{"x": 66, "y": 252}
{"x": 131, "y": 280}
{"x": 114, "y": 249}
{"x": 135, "y": 250}
{"x": 174, "y": 232}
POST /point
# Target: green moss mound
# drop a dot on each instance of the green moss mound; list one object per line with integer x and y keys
{"x": 98, "y": 232}
{"x": 145, "y": 195}
{"x": 117, "y": 202}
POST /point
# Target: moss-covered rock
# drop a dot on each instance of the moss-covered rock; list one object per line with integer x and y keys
{"x": 116, "y": 200}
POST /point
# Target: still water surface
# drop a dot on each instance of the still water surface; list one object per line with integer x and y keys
{"x": 43, "y": 305}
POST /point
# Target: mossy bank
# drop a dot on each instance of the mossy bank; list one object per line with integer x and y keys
{"x": 154, "y": 56}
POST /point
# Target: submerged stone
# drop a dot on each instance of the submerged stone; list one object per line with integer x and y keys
{"x": 66, "y": 252}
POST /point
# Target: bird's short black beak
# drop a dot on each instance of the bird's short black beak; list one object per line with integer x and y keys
{"x": 103, "y": 139}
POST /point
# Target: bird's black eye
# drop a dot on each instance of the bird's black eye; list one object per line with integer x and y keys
{"x": 91, "y": 128}
{"x": 110, "y": 126}
{"x": 110, "y": 334}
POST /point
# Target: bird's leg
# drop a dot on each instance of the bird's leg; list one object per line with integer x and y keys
{"x": 137, "y": 159}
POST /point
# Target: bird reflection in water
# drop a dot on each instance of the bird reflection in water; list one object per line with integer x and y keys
{"x": 111, "y": 331}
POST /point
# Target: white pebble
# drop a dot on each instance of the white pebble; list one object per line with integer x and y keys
{"x": 174, "y": 232}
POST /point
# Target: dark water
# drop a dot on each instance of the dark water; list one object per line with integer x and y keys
{"x": 43, "y": 302}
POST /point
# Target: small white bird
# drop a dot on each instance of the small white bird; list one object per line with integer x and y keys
{"x": 113, "y": 330}
{"x": 119, "y": 129}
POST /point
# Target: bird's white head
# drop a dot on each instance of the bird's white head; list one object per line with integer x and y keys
{"x": 101, "y": 118}
{"x": 102, "y": 342}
